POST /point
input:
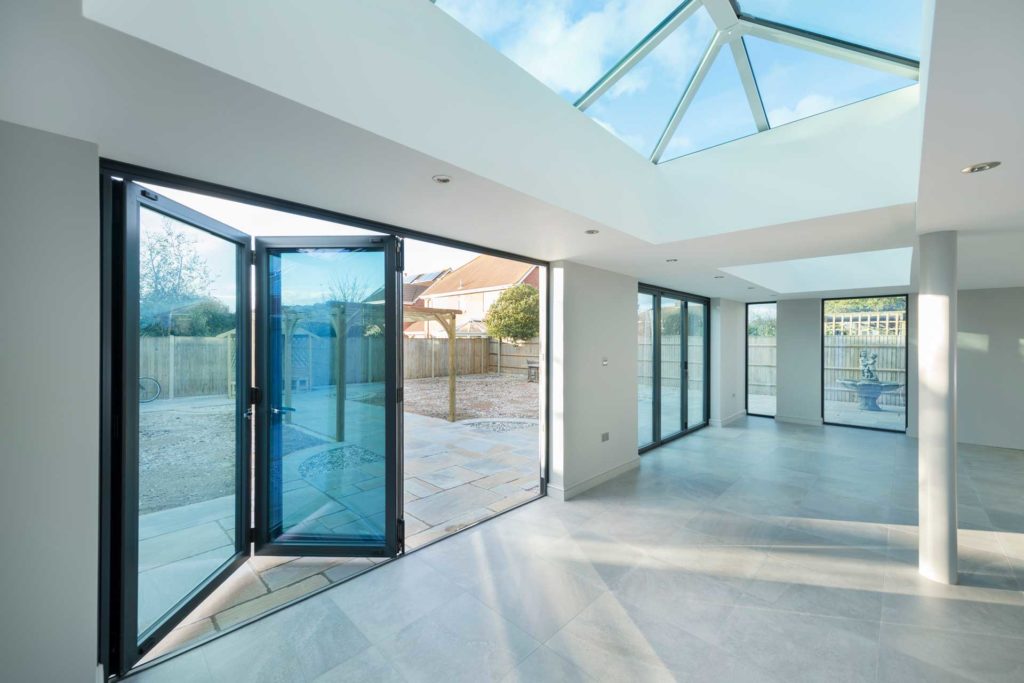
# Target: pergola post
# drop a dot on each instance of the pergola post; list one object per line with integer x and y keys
{"x": 340, "y": 324}
{"x": 290, "y": 320}
{"x": 447, "y": 320}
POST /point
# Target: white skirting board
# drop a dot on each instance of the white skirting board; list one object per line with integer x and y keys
{"x": 596, "y": 480}
{"x": 727, "y": 421}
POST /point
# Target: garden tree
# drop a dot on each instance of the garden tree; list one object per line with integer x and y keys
{"x": 672, "y": 321}
{"x": 173, "y": 277}
{"x": 515, "y": 316}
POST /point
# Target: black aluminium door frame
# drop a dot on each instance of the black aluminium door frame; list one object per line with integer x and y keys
{"x": 111, "y": 168}
{"x": 112, "y": 177}
{"x": 906, "y": 361}
{"x": 125, "y": 644}
{"x": 685, "y": 298}
{"x": 263, "y": 533}
{"x": 746, "y": 355}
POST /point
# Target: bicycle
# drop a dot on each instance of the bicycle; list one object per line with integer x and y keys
{"x": 149, "y": 389}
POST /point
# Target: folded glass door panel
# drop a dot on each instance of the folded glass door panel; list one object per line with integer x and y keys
{"x": 327, "y": 466}
{"x": 696, "y": 364}
{"x": 184, "y": 437}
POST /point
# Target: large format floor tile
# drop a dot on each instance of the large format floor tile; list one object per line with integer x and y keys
{"x": 763, "y": 552}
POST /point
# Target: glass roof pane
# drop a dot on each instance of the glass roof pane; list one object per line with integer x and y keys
{"x": 637, "y": 108}
{"x": 795, "y": 83}
{"x": 566, "y": 44}
{"x": 892, "y": 26}
{"x": 719, "y": 113}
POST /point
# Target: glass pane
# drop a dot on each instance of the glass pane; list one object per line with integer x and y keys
{"x": 889, "y": 25}
{"x": 695, "y": 360}
{"x": 566, "y": 45}
{"x": 671, "y": 366}
{"x": 795, "y": 83}
{"x": 645, "y": 368}
{"x": 719, "y": 113}
{"x": 639, "y": 106}
{"x": 865, "y": 362}
{"x": 188, "y": 324}
{"x": 761, "y": 374}
{"x": 327, "y": 396}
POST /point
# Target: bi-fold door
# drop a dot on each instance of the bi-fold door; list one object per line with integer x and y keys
{"x": 324, "y": 406}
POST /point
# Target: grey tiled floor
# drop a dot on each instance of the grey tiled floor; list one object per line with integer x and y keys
{"x": 759, "y": 552}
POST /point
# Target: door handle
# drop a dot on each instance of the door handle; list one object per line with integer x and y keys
{"x": 282, "y": 410}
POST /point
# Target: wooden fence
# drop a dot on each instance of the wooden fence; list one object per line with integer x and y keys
{"x": 842, "y": 361}
{"x": 761, "y": 372}
{"x": 429, "y": 357}
{"x": 671, "y": 367}
{"x": 514, "y": 357}
{"x": 204, "y": 366}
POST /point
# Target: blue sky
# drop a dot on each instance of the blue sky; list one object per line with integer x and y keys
{"x": 569, "y": 44}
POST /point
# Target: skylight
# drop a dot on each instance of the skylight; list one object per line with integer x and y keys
{"x": 862, "y": 270}
{"x": 673, "y": 77}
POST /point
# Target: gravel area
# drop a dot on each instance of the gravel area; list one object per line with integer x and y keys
{"x": 476, "y": 396}
{"x": 185, "y": 456}
{"x": 187, "y": 453}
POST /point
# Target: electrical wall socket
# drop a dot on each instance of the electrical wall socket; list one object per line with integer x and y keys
{"x": 604, "y": 436}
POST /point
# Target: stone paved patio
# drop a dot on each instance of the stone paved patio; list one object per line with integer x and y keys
{"x": 456, "y": 474}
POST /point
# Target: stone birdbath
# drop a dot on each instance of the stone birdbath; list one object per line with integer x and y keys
{"x": 869, "y": 387}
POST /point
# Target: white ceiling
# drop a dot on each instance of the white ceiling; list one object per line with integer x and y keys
{"x": 358, "y": 119}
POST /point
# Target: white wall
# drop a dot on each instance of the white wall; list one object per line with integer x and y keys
{"x": 990, "y": 367}
{"x": 593, "y": 319}
{"x": 799, "y": 361}
{"x": 728, "y": 361}
{"x": 49, "y": 408}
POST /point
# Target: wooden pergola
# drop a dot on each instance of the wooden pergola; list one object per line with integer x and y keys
{"x": 446, "y": 317}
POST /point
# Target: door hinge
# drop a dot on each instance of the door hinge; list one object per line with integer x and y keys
{"x": 250, "y": 535}
{"x": 150, "y": 195}
{"x": 400, "y": 256}
{"x": 401, "y": 534}
{"x": 252, "y": 258}
{"x": 401, "y": 395}
{"x": 255, "y": 395}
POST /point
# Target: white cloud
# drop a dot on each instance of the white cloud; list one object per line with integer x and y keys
{"x": 566, "y": 44}
{"x": 633, "y": 141}
{"x": 809, "y": 105}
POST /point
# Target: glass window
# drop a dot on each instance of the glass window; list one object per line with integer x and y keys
{"x": 645, "y": 368}
{"x": 719, "y": 113}
{"x": 892, "y": 26}
{"x": 670, "y": 344}
{"x": 761, "y": 354}
{"x": 864, "y": 358}
{"x": 326, "y": 389}
{"x": 696, "y": 334}
{"x": 187, "y": 437}
{"x": 638, "y": 107}
{"x": 795, "y": 83}
{"x": 568, "y": 45}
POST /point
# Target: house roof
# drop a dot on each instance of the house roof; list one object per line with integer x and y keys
{"x": 483, "y": 272}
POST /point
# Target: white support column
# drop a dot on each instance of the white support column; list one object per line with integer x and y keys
{"x": 936, "y": 405}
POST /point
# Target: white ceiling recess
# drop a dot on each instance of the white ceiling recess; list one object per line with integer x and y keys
{"x": 408, "y": 72}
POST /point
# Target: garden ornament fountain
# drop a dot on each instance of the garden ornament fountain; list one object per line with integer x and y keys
{"x": 869, "y": 387}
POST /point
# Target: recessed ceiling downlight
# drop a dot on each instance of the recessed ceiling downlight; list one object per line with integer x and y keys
{"x": 719, "y": 277}
{"x": 591, "y": 232}
{"x": 983, "y": 166}
{"x": 442, "y": 179}
{"x": 671, "y": 260}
